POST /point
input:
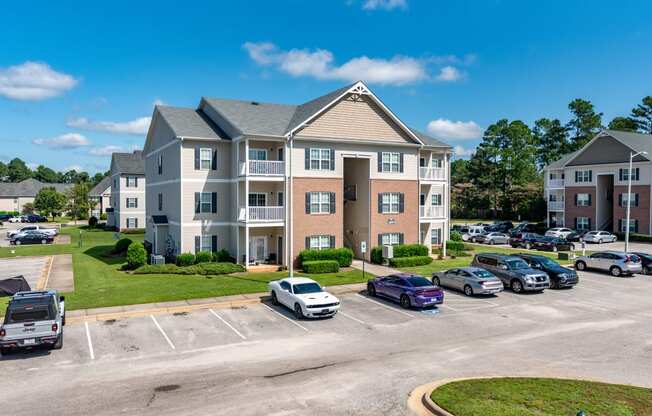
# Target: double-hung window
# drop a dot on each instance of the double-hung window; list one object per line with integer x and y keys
{"x": 633, "y": 198}
{"x": 320, "y": 202}
{"x": 390, "y": 203}
{"x": 583, "y": 200}
{"x": 132, "y": 182}
{"x": 391, "y": 162}
{"x": 390, "y": 239}
{"x": 257, "y": 154}
{"x": 320, "y": 159}
{"x": 205, "y": 158}
{"x": 436, "y": 162}
{"x": 435, "y": 236}
{"x": 624, "y": 174}
{"x": 205, "y": 202}
{"x": 319, "y": 242}
{"x": 132, "y": 222}
{"x": 582, "y": 223}
{"x": 583, "y": 176}
{"x": 436, "y": 199}
{"x": 132, "y": 202}
{"x": 206, "y": 243}
{"x": 633, "y": 225}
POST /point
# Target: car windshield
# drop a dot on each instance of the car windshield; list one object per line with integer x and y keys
{"x": 305, "y": 288}
{"x": 516, "y": 264}
{"x": 418, "y": 281}
{"x": 482, "y": 273}
{"x": 548, "y": 262}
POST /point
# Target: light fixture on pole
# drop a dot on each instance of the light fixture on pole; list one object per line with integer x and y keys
{"x": 629, "y": 196}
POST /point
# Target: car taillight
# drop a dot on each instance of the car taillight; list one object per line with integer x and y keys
{"x": 3, "y": 332}
{"x": 55, "y": 327}
{"x": 481, "y": 282}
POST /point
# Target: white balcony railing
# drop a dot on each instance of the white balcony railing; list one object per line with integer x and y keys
{"x": 431, "y": 211}
{"x": 262, "y": 168}
{"x": 555, "y": 183}
{"x": 555, "y": 205}
{"x": 263, "y": 214}
{"x": 431, "y": 173}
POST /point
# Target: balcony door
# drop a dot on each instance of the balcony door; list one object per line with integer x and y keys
{"x": 257, "y": 154}
{"x": 257, "y": 249}
{"x": 257, "y": 199}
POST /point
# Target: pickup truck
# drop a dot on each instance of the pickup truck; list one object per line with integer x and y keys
{"x": 33, "y": 319}
{"x": 52, "y": 231}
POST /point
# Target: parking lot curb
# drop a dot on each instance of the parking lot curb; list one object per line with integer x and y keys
{"x": 42, "y": 283}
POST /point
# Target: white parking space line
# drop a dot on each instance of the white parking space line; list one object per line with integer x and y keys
{"x": 443, "y": 305}
{"x": 227, "y": 324}
{"x": 162, "y": 332}
{"x": 286, "y": 318}
{"x": 90, "y": 343}
{"x": 351, "y": 317}
{"x": 385, "y": 306}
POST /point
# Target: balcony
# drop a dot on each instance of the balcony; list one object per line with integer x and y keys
{"x": 555, "y": 183}
{"x": 432, "y": 174}
{"x": 431, "y": 211}
{"x": 262, "y": 168}
{"x": 262, "y": 214}
{"x": 555, "y": 205}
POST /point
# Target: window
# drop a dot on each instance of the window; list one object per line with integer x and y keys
{"x": 160, "y": 164}
{"x": 435, "y": 236}
{"x": 390, "y": 239}
{"x": 583, "y": 200}
{"x": 583, "y": 176}
{"x": 633, "y": 197}
{"x": 280, "y": 199}
{"x": 320, "y": 159}
{"x": 257, "y": 199}
{"x": 390, "y": 203}
{"x": 206, "y": 243}
{"x": 160, "y": 202}
{"x": 319, "y": 242}
{"x": 319, "y": 203}
{"x": 132, "y": 202}
{"x": 132, "y": 182}
{"x": 257, "y": 154}
{"x": 391, "y": 162}
{"x": 205, "y": 202}
{"x": 623, "y": 174}
{"x": 132, "y": 222}
{"x": 633, "y": 225}
{"x": 205, "y": 158}
{"x": 436, "y": 199}
{"x": 582, "y": 223}
{"x": 436, "y": 162}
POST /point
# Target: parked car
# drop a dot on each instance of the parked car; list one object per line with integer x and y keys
{"x": 33, "y": 319}
{"x": 553, "y": 244}
{"x": 514, "y": 272}
{"x": 617, "y": 263}
{"x": 525, "y": 240}
{"x": 16, "y": 219}
{"x": 646, "y": 262}
{"x": 470, "y": 280}
{"x": 473, "y": 231}
{"x": 559, "y": 276}
{"x": 36, "y": 218}
{"x": 500, "y": 226}
{"x": 529, "y": 227}
{"x": 576, "y": 235}
{"x": 5, "y": 217}
{"x": 559, "y": 232}
{"x": 31, "y": 237}
{"x": 599, "y": 237}
{"x": 491, "y": 238}
{"x": 410, "y": 290}
{"x": 304, "y": 296}
{"x": 50, "y": 231}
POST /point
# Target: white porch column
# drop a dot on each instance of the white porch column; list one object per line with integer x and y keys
{"x": 246, "y": 228}
{"x": 447, "y": 198}
{"x": 290, "y": 198}
{"x": 246, "y": 198}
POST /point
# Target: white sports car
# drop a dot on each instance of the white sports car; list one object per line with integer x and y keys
{"x": 303, "y": 296}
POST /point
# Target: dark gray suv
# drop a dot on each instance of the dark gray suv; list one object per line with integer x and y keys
{"x": 514, "y": 272}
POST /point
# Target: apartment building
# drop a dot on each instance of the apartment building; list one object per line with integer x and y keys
{"x": 587, "y": 189}
{"x": 265, "y": 181}
{"x": 14, "y": 195}
{"x": 128, "y": 203}
{"x": 100, "y": 197}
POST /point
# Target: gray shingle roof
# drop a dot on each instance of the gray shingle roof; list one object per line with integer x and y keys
{"x": 29, "y": 188}
{"x": 429, "y": 141}
{"x": 254, "y": 118}
{"x": 186, "y": 122}
{"x": 305, "y": 110}
{"x": 561, "y": 162}
{"x": 101, "y": 187}
{"x": 128, "y": 163}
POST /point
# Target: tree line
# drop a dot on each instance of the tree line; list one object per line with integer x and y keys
{"x": 17, "y": 170}
{"x": 503, "y": 179}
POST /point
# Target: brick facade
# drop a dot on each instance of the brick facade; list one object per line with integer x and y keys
{"x": 572, "y": 211}
{"x": 640, "y": 213}
{"x": 406, "y": 222}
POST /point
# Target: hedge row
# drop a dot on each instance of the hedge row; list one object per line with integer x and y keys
{"x": 343, "y": 256}
{"x": 321, "y": 266}
{"x": 201, "y": 269}
{"x": 188, "y": 259}
{"x": 14, "y": 213}
{"x": 455, "y": 245}
{"x": 400, "y": 251}
{"x": 410, "y": 261}
{"x": 635, "y": 237}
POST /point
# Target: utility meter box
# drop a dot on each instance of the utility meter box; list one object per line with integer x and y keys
{"x": 157, "y": 259}
{"x": 388, "y": 252}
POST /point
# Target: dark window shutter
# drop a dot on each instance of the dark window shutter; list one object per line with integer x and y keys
{"x": 160, "y": 164}
{"x": 401, "y": 238}
{"x": 380, "y": 203}
{"x": 196, "y": 157}
{"x": 620, "y": 225}
{"x": 620, "y": 174}
{"x": 637, "y": 172}
{"x": 590, "y": 199}
{"x": 590, "y": 176}
{"x": 307, "y": 202}
{"x": 635, "y": 226}
{"x": 136, "y": 202}
{"x": 380, "y": 161}
{"x": 136, "y": 222}
{"x": 307, "y": 241}
{"x": 589, "y": 223}
{"x": 332, "y": 152}
{"x": 635, "y": 200}
{"x": 197, "y": 203}
{"x": 213, "y": 202}
{"x": 575, "y": 223}
{"x": 197, "y": 244}
{"x": 332, "y": 202}
{"x": 400, "y": 162}
{"x": 380, "y": 239}
{"x": 620, "y": 200}
{"x": 401, "y": 202}
{"x": 332, "y": 241}
{"x": 307, "y": 161}
{"x": 214, "y": 160}
{"x": 577, "y": 176}
{"x": 136, "y": 182}
{"x": 214, "y": 243}
{"x": 575, "y": 199}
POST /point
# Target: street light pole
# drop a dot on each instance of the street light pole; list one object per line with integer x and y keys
{"x": 629, "y": 196}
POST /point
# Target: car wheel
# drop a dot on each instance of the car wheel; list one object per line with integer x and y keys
{"x": 435, "y": 281}
{"x": 63, "y": 320}
{"x": 468, "y": 290}
{"x": 5, "y": 351}
{"x": 44, "y": 241}
{"x": 298, "y": 313}
{"x": 405, "y": 302}
{"x": 528, "y": 246}
{"x": 580, "y": 265}
{"x": 553, "y": 284}
{"x": 555, "y": 249}
{"x": 59, "y": 344}
{"x": 517, "y": 286}
{"x": 274, "y": 299}
{"x": 600, "y": 241}
{"x": 371, "y": 289}
{"x": 17, "y": 242}
{"x": 572, "y": 247}
{"x": 615, "y": 271}
{"x": 491, "y": 242}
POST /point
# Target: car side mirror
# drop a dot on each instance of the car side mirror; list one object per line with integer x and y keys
{"x": 536, "y": 266}
{"x": 503, "y": 267}
{"x": 62, "y": 298}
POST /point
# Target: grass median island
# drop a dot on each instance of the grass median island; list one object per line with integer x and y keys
{"x": 541, "y": 397}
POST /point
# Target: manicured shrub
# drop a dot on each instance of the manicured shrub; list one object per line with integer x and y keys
{"x": 122, "y": 245}
{"x": 222, "y": 256}
{"x": 185, "y": 259}
{"x": 321, "y": 266}
{"x": 410, "y": 250}
{"x": 456, "y": 236}
{"x": 92, "y": 222}
{"x": 133, "y": 231}
{"x": 343, "y": 256}
{"x": 377, "y": 255}
{"x": 203, "y": 257}
{"x": 635, "y": 237}
{"x": 169, "y": 268}
{"x": 219, "y": 268}
{"x": 455, "y": 245}
{"x": 136, "y": 255}
{"x": 206, "y": 269}
{"x": 103, "y": 216}
{"x": 410, "y": 261}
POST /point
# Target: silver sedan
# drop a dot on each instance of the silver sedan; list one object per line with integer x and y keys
{"x": 470, "y": 280}
{"x": 491, "y": 238}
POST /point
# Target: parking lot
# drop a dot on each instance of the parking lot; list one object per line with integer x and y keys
{"x": 32, "y": 268}
{"x": 365, "y": 360}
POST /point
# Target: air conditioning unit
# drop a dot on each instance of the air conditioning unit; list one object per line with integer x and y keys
{"x": 157, "y": 259}
{"x": 388, "y": 252}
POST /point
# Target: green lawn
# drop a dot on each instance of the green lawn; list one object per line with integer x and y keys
{"x": 99, "y": 282}
{"x": 542, "y": 397}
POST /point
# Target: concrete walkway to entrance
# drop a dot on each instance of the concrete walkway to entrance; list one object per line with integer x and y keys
{"x": 376, "y": 269}
{"x": 61, "y": 275}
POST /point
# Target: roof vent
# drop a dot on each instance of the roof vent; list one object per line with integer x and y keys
{"x": 255, "y": 103}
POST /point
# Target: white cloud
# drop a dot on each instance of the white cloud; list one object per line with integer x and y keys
{"x": 384, "y": 4}
{"x": 319, "y": 64}
{"x": 461, "y": 152}
{"x": 138, "y": 126}
{"x": 158, "y": 101}
{"x": 73, "y": 167}
{"x": 449, "y": 74}
{"x": 454, "y": 130}
{"x": 33, "y": 81}
{"x": 105, "y": 150}
{"x": 64, "y": 141}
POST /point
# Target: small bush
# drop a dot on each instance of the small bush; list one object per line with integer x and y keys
{"x": 343, "y": 256}
{"x": 103, "y": 216}
{"x": 136, "y": 256}
{"x": 185, "y": 259}
{"x": 321, "y": 266}
{"x": 92, "y": 222}
{"x": 206, "y": 269}
{"x": 635, "y": 237}
{"x": 455, "y": 245}
{"x": 157, "y": 269}
{"x": 410, "y": 250}
{"x": 410, "y": 261}
{"x": 219, "y": 268}
{"x": 377, "y": 255}
{"x": 122, "y": 245}
{"x": 133, "y": 231}
{"x": 203, "y": 257}
{"x": 222, "y": 256}
{"x": 456, "y": 236}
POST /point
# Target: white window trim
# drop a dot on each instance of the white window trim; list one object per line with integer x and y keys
{"x": 203, "y": 150}
{"x": 391, "y": 239}
{"x": 258, "y": 150}
{"x": 202, "y": 243}
{"x": 432, "y": 200}
{"x": 584, "y": 226}
{"x": 581, "y": 202}
{"x": 321, "y": 161}
{"x": 134, "y": 200}
{"x": 436, "y": 232}
{"x": 202, "y": 202}
{"x": 320, "y": 242}
{"x": 131, "y": 220}
{"x": 257, "y": 194}
{"x": 388, "y": 163}
{"x": 387, "y": 200}
{"x": 583, "y": 176}
{"x": 128, "y": 180}
{"x": 323, "y": 202}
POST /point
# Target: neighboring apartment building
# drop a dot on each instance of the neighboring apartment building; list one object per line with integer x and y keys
{"x": 265, "y": 181}
{"x": 14, "y": 195}
{"x": 587, "y": 189}
{"x": 100, "y": 197}
{"x": 128, "y": 200}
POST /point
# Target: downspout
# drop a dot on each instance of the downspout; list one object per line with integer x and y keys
{"x": 290, "y": 199}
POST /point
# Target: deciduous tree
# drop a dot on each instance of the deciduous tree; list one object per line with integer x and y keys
{"x": 49, "y": 202}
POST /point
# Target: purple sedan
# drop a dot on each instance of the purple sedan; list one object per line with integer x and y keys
{"x": 409, "y": 289}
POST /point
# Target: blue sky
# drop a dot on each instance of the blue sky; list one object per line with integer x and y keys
{"x": 79, "y": 79}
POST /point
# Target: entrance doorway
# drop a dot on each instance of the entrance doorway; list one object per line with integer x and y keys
{"x": 604, "y": 204}
{"x": 356, "y": 205}
{"x": 257, "y": 249}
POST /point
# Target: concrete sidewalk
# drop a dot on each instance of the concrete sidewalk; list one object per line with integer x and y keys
{"x": 375, "y": 269}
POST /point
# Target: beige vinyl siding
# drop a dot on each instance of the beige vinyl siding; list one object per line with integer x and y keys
{"x": 224, "y": 205}
{"x": 224, "y": 160}
{"x": 225, "y": 237}
{"x": 355, "y": 118}
{"x": 159, "y": 135}
{"x": 645, "y": 173}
